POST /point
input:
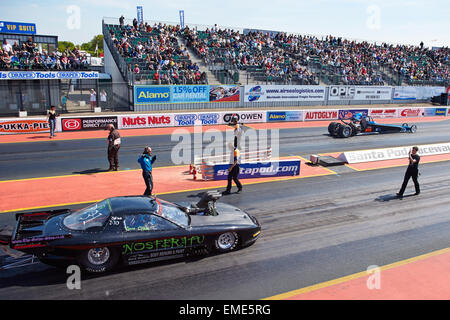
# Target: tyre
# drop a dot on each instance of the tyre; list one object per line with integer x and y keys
{"x": 331, "y": 128}
{"x": 354, "y": 129}
{"x": 413, "y": 128}
{"x": 97, "y": 260}
{"x": 345, "y": 131}
{"x": 227, "y": 241}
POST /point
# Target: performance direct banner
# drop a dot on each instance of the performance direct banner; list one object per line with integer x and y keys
{"x": 276, "y": 93}
{"x": 359, "y": 93}
{"x": 87, "y": 123}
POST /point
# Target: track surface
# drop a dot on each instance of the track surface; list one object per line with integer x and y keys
{"x": 314, "y": 229}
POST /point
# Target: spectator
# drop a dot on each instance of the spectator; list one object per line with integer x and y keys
{"x": 93, "y": 99}
{"x": 103, "y": 99}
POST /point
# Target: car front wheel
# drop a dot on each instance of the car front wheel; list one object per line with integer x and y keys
{"x": 227, "y": 241}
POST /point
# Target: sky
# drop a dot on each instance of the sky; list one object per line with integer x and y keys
{"x": 391, "y": 21}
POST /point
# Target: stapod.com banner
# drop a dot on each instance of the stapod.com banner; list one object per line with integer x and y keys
{"x": 185, "y": 94}
{"x": 260, "y": 169}
{"x": 277, "y": 93}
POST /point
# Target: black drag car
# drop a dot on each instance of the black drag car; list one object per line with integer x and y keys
{"x": 132, "y": 230}
{"x": 365, "y": 126}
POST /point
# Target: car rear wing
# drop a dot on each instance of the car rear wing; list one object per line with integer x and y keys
{"x": 30, "y": 226}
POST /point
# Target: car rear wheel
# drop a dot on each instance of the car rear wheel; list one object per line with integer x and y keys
{"x": 331, "y": 128}
{"x": 227, "y": 241}
{"x": 98, "y": 260}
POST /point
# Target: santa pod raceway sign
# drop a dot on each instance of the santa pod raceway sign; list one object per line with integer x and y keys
{"x": 260, "y": 169}
{"x": 11, "y": 126}
{"x": 393, "y": 153}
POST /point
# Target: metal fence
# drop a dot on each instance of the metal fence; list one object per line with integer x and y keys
{"x": 36, "y": 96}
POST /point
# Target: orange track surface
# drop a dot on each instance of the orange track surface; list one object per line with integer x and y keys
{"x": 167, "y": 131}
{"x": 63, "y": 190}
{"x": 420, "y": 278}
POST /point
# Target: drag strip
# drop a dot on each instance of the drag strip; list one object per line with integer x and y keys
{"x": 314, "y": 230}
{"x": 62, "y": 157}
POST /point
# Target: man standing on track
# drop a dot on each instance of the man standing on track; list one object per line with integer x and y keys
{"x": 233, "y": 171}
{"x": 146, "y": 160}
{"x": 113, "y": 147}
{"x": 411, "y": 171}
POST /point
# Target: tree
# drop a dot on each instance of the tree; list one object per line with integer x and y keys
{"x": 63, "y": 45}
{"x": 90, "y": 46}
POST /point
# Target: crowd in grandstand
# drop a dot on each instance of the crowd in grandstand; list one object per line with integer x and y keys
{"x": 158, "y": 49}
{"x": 28, "y": 57}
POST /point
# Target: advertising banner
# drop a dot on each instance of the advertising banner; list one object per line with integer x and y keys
{"x": 348, "y": 113}
{"x": 224, "y": 93}
{"x": 393, "y": 153}
{"x": 416, "y": 93}
{"x": 186, "y": 94}
{"x": 87, "y": 123}
{"x": 47, "y": 75}
{"x": 276, "y": 93}
{"x": 145, "y": 121}
{"x": 295, "y": 115}
{"x": 196, "y": 119}
{"x": 359, "y": 93}
{"x": 260, "y": 169}
{"x": 17, "y": 27}
{"x": 189, "y": 93}
{"x": 410, "y": 112}
{"x": 244, "y": 116}
{"x": 35, "y": 125}
{"x": 431, "y": 112}
{"x": 383, "y": 113}
{"x": 310, "y": 115}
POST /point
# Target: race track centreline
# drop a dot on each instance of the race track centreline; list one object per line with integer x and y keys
{"x": 418, "y": 278}
{"x": 101, "y": 134}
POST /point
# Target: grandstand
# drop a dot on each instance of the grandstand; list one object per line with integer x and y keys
{"x": 207, "y": 54}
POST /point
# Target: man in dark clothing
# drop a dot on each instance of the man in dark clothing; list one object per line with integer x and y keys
{"x": 411, "y": 172}
{"x": 113, "y": 147}
{"x": 146, "y": 160}
{"x": 233, "y": 171}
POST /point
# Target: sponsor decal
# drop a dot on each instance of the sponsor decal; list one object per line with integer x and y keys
{"x": 394, "y": 153}
{"x": 254, "y": 93}
{"x": 168, "y": 243}
{"x": 441, "y": 111}
{"x": 411, "y": 112}
{"x": 224, "y": 93}
{"x": 260, "y": 170}
{"x": 359, "y": 93}
{"x": 189, "y": 93}
{"x": 245, "y": 117}
{"x": 47, "y": 75}
{"x": 185, "y": 119}
{"x": 347, "y": 114}
{"x": 24, "y": 126}
{"x": 152, "y": 94}
{"x": 383, "y": 113}
{"x": 88, "y": 123}
{"x": 71, "y": 124}
{"x": 145, "y": 121}
{"x": 321, "y": 115}
{"x": 208, "y": 118}
{"x": 284, "y": 116}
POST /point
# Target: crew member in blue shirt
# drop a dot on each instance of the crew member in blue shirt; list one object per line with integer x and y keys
{"x": 146, "y": 160}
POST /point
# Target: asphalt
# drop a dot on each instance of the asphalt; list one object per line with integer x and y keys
{"x": 313, "y": 229}
{"x": 50, "y": 158}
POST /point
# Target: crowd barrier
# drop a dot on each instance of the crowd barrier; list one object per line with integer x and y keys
{"x": 170, "y": 119}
